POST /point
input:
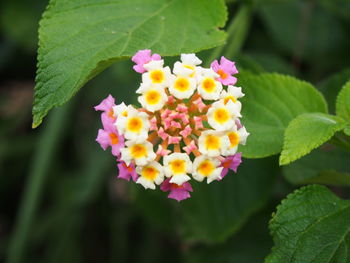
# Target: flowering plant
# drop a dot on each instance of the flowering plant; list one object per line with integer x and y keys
{"x": 188, "y": 124}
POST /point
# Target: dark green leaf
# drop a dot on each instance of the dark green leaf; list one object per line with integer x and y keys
{"x": 311, "y": 225}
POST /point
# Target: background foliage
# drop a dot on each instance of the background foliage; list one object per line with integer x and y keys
{"x": 60, "y": 200}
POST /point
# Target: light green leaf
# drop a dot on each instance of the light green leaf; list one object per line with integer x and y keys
{"x": 311, "y": 225}
{"x": 343, "y": 102}
{"x": 327, "y": 165}
{"x": 306, "y": 132}
{"x": 270, "y": 103}
{"x": 216, "y": 211}
{"x": 80, "y": 38}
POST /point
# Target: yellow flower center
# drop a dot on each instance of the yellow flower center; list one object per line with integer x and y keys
{"x": 178, "y": 166}
{"x": 212, "y": 142}
{"x": 157, "y": 76}
{"x": 234, "y": 139}
{"x": 190, "y": 67}
{"x": 221, "y": 115}
{"x": 135, "y": 124}
{"x": 138, "y": 151}
{"x": 114, "y": 138}
{"x": 182, "y": 84}
{"x": 206, "y": 168}
{"x": 209, "y": 85}
{"x": 228, "y": 98}
{"x": 222, "y": 74}
{"x": 125, "y": 113}
{"x": 152, "y": 97}
{"x": 149, "y": 172}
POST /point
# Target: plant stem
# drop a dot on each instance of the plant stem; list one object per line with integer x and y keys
{"x": 46, "y": 147}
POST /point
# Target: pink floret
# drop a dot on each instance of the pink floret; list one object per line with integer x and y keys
{"x": 161, "y": 151}
{"x": 225, "y": 69}
{"x": 231, "y": 163}
{"x": 143, "y": 57}
{"x": 174, "y": 139}
{"x": 238, "y": 124}
{"x": 106, "y": 105}
{"x": 198, "y": 122}
{"x": 127, "y": 172}
{"x": 103, "y": 139}
{"x": 186, "y": 131}
{"x": 177, "y": 192}
{"x": 153, "y": 123}
{"x": 109, "y": 136}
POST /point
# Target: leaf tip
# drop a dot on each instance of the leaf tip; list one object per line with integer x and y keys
{"x": 284, "y": 160}
{"x": 36, "y": 122}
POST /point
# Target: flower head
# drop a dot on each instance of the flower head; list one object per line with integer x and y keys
{"x": 188, "y": 126}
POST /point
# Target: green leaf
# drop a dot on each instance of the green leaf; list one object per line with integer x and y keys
{"x": 311, "y": 225}
{"x": 216, "y": 211}
{"x": 326, "y": 165}
{"x": 80, "y": 38}
{"x": 270, "y": 103}
{"x": 306, "y": 132}
{"x": 343, "y": 102}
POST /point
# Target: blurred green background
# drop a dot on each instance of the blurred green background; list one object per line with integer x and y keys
{"x": 59, "y": 197}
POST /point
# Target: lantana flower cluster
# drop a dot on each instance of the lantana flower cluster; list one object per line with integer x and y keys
{"x": 188, "y": 127}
